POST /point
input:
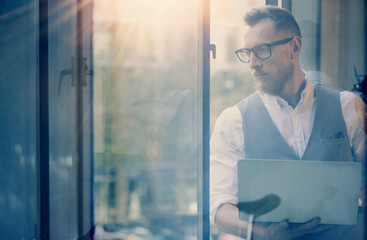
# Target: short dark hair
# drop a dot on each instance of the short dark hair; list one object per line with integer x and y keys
{"x": 283, "y": 19}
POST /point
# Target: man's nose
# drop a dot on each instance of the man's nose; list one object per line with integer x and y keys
{"x": 254, "y": 61}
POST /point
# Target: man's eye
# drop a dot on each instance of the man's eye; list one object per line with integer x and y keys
{"x": 247, "y": 52}
{"x": 261, "y": 49}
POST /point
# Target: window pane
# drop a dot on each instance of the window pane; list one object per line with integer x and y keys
{"x": 334, "y": 37}
{"x": 146, "y": 118}
{"x": 18, "y": 104}
{"x": 271, "y": 127}
{"x": 231, "y": 79}
{"x": 334, "y": 34}
{"x": 62, "y": 120}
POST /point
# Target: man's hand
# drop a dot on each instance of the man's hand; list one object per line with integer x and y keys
{"x": 285, "y": 230}
{"x": 227, "y": 220}
{"x": 362, "y": 198}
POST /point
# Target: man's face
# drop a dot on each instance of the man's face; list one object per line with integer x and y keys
{"x": 274, "y": 73}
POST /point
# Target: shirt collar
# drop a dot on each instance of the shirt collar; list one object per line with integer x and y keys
{"x": 307, "y": 96}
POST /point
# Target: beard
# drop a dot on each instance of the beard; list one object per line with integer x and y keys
{"x": 274, "y": 85}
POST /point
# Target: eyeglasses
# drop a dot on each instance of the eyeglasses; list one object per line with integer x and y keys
{"x": 262, "y": 51}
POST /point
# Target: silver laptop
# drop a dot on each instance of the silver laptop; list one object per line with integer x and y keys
{"x": 297, "y": 190}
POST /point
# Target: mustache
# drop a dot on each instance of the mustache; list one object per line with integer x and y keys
{"x": 255, "y": 73}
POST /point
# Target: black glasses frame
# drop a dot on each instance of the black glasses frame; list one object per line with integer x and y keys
{"x": 269, "y": 45}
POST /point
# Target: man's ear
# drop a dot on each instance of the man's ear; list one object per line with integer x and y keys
{"x": 297, "y": 45}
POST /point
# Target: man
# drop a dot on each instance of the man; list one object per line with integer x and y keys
{"x": 284, "y": 119}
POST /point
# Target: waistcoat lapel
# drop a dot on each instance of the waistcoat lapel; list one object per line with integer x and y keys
{"x": 329, "y": 139}
{"x": 262, "y": 138}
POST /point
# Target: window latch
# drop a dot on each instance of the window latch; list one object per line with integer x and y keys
{"x": 212, "y": 48}
{"x": 73, "y": 73}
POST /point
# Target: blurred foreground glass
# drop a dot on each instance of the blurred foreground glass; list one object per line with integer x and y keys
{"x": 146, "y": 119}
{"x": 18, "y": 119}
{"x": 230, "y": 79}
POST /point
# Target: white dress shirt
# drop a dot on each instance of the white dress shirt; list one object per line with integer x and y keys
{"x": 295, "y": 125}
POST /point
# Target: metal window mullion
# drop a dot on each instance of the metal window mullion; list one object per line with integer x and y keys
{"x": 271, "y": 2}
{"x": 79, "y": 117}
{"x": 287, "y": 4}
{"x": 204, "y": 223}
{"x": 318, "y": 37}
{"x": 365, "y": 157}
{"x": 43, "y": 123}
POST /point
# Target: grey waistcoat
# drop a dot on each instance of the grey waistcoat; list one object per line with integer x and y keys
{"x": 328, "y": 140}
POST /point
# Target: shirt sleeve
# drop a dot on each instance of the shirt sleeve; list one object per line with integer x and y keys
{"x": 353, "y": 109}
{"x": 354, "y": 114}
{"x": 226, "y": 149}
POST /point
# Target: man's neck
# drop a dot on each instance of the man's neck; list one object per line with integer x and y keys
{"x": 293, "y": 90}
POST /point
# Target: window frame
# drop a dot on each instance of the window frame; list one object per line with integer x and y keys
{"x": 84, "y": 12}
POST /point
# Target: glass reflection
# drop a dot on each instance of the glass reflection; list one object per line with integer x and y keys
{"x": 228, "y": 147}
{"x": 146, "y": 122}
{"x": 18, "y": 106}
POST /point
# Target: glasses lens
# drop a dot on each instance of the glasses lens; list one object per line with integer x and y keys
{"x": 262, "y": 51}
{"x": 244, "y": 55}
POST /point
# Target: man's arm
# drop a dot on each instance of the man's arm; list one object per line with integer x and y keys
{"x": 226, "y": 149}
{"x": 354, "y": 114}
{"x": 227, "y": 220}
